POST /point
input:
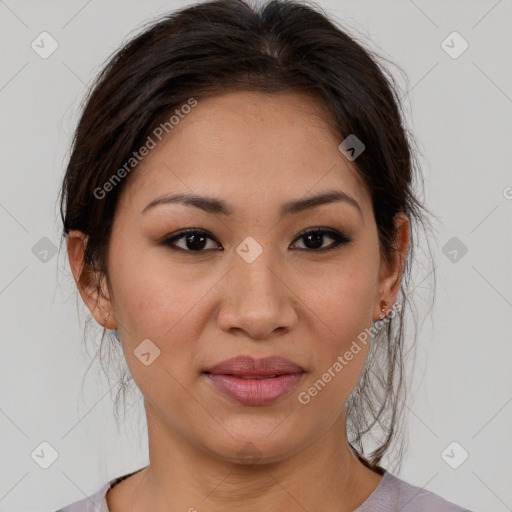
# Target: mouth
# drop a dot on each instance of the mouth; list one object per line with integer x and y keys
{"x": 253, "y": 377}
{"x": 255, "y": 382}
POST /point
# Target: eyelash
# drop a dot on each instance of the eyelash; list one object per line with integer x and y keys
{"x": 340, "y": 239}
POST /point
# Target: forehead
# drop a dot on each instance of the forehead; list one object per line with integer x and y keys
{"x": 250, "y": 148}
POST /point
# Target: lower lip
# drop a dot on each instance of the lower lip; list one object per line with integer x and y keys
{"x": 255, "y": 391}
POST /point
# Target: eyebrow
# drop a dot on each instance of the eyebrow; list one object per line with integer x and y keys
{"x": 214, "y": 205}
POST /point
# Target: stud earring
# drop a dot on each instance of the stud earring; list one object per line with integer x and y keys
{"x": 383, "y": 306}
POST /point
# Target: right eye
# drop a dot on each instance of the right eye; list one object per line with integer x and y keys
{"x": 194, "y": 240}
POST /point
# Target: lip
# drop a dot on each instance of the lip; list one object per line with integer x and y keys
{"x": 253, "y": 381}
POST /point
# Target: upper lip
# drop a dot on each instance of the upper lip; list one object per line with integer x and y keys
{"x": 249, "y": 366}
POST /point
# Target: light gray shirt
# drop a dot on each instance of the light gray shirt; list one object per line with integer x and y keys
{"x": 391, "y": 495}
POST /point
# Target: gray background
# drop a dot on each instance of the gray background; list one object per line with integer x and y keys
{"x": 461, "y": 114}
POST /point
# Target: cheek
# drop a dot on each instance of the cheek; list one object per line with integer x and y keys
{"x": 153, "y": 303}
{"x": 157, "y": 302}
{"x": 341, "y": 305}
{"x": 342, "y": 299}
{"x": 342, "y": 317}
{"x": 151, "y": 295}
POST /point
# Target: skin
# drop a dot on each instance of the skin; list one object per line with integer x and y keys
{"x": 255, "y": 152}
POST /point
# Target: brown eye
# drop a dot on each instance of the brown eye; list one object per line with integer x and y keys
{"x": 194, "y": 240}
{"x": 315, "y": 238}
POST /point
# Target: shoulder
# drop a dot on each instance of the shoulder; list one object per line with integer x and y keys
{"x": 411, "y": 498}
{"x": 97, "y": 502}
{"x": 94, "y": 503}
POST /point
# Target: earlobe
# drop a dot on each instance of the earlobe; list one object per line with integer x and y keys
{"x": 95, "y": 299}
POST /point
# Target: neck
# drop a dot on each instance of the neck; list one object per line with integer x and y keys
{"x": 326, "y": 475}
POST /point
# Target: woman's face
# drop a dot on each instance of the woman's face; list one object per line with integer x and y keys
{"x": 251, "y": 282}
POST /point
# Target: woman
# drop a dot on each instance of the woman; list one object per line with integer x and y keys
{"x": 238, "y": 210}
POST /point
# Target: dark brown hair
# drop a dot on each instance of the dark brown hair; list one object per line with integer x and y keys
{"x": 219, "y": 46}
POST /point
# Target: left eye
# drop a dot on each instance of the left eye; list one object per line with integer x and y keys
{"x": 195, "y": 240}
{"x": 316, "y": 236}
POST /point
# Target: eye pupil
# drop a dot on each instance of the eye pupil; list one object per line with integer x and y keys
{"x": 317, "y": 239}
{"x": 195, "y": 246}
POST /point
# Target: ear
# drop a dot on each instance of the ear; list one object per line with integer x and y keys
{"x": 390, "y": 274}
{"x": 86, "y": 279}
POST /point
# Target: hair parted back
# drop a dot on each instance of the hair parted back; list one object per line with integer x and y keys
{"x": 219, "y": 46}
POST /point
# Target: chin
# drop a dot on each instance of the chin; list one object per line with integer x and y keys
{"x": 255, "y": 448}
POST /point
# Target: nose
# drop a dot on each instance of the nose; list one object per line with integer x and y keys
{"x": 256, "y": 299}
